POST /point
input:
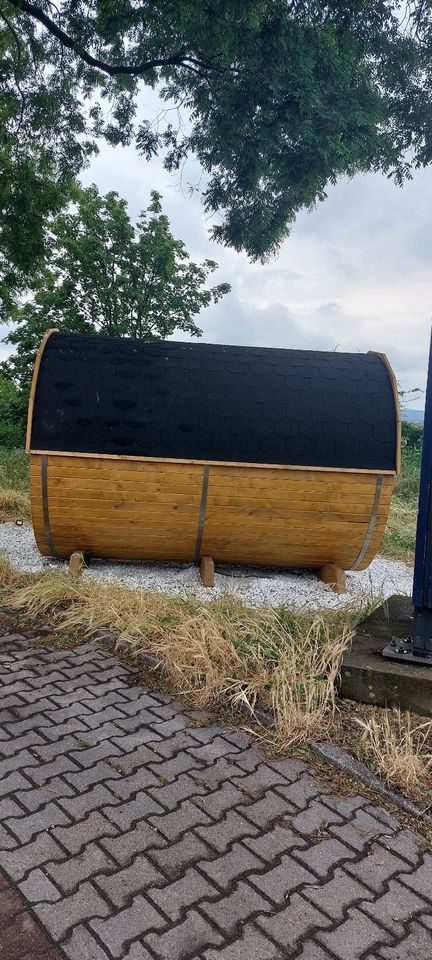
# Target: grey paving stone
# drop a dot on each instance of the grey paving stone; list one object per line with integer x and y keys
{"x": 360, "y": 831}
{"x": 131, "y": 923}
{"x": 324, "y": 856}
{"x": 38, "y": 888}
{"x": 173, "y": 825}
{"x": 75, "y": 837}
{"x": 37, "y": 797}
{"x": 405, "y": 844}
{"x": 190, "y": 936}
{"x": 120, "y": 885}
{"x": 170, "y": 795}
{"x": 231, "y": 912}
{"x": 231, "y": 865}
{"x": 278, "y": 882}
{"x": 222, "y": 834}
{"x": 353, "y": 938}
{"x": 395, "y": 908}
{"x": 60, "y": 917}
{"x": 25, "y": 828}
{"x": 252, "y": 945}
{"x": 82, "y": 945}
{"x": 182, "y": 894}
{"x": 174, "y": 858}
{"x": 338, "y": 894}
{"x": 420, "y": 880}
{"x": 377, "y": 868}
{"x": 416, "y": 945}
{"x": 264, "y": 811}
{"x": 299, "y": 919}
{"x": 84, "y": 866}
{"x": 279, "y": 839}
{"x": 124, "y": 847}
{"x": 18, "y": 862}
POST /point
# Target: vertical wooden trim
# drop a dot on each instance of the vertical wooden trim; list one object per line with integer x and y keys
{"x": 39, "y": 354}
{"x": 393, "y": 380}
{"x": 202, "y": 513}
{"x": 45, "y": 508}
{"x": 372, "y": 524}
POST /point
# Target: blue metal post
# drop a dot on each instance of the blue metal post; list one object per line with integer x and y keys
{"x": 422, "y": 587}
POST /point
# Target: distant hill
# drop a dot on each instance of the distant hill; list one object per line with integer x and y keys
{"x": 413, "y": 416}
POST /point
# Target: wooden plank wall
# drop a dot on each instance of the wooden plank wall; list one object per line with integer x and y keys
{"x": 149, "y": 510}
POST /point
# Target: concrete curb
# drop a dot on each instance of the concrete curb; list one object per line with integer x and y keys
{"x": 355, "y": 768}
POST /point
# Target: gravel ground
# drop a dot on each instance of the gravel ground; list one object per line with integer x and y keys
{"x": 295, "y": 588}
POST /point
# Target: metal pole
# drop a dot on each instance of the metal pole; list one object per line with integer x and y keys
{"x": 418, "y": 648}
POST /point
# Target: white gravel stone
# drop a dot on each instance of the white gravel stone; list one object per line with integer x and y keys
{"x": 293, "y": 588}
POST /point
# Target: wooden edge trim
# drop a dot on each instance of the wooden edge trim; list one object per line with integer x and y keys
{"x": 372, "y": 524}
{"x": 202, "y": 513}
{"x": 35, "y": 376}
{"x": 210, "y": 463}
{"x": 391, "y": 373}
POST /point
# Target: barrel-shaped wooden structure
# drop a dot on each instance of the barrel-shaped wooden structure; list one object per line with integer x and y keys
{"x": 163, "y": 451}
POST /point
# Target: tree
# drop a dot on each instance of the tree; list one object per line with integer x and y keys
{"x": 283, "y": 97}
{"x": 103, "y": 275}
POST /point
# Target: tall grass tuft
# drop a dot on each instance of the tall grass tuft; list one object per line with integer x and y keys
{"x": 400, "y": 748}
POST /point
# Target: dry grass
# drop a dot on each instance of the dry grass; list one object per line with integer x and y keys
{"x": 399, "y": 747}
{"x": 220, "y": 653}
{"x": 14, "y": 505}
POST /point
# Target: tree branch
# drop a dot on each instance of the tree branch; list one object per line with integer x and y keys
{"x": 180, "y": 59}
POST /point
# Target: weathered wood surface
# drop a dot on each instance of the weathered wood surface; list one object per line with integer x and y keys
{"x": 149, "y": 510}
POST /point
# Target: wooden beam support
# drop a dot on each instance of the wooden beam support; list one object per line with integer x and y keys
{"x": 76, "y": 563}
{"x": 207, "y": 571}
{"x": 334, "y": 576}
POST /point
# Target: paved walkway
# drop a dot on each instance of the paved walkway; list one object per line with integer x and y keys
{"x": 130, "y": 832}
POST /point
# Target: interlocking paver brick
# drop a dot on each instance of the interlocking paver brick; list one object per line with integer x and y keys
{"x": 301, "y": 791}
{"x": 279, "y": 839}
{"x": 121, "y": 885}
{"x": 325, "y": 855}
{"x": 420, "y": 880}
{"x": 405, "y": 844}
{"x": 360, "y": 831}
{"x": 337, "y": 894}
{"x": 37, "y": 797}
{"x": 209, "y": 752}
{"x": 125, "y": 815}
{"x": 235, "y": 909}
{"x": 299, "y": 919}
{"x": 417, "y": 945}
{"x": 174, "y": 858}
{"x": 281, "y": 880}
{"x": 259, "y": 782}
{"x": 79, "y": 806}
{"x": 129, "y": 924}
{"x": 396, "y": 907}
{"x": 76, "y": 836}
{"x": 173, "y": 825}
{"x": 84, "y": 866}
{"x": 125, "y": 846}
{"x": 264, "y": 811}
{"x": 192, "y": 935}
{"x": 63, "y": 915}
{"x": 25, "y": 828}
{"x": 171, "y": 794}
{"x": 17, "y": 862}
{"x": 183, "y": 893}
{"x": 377, "y": 868}
{"x": 222, "y": 834}
{"x": 252, "y": 945}
{"x": 231, "y": 865}
{"x": 353, "y": 938}
{"x": 38, "y": 887}
{"x": 83, "y": 944}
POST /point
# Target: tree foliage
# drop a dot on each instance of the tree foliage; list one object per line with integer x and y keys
{"x": 282, "y": 98}
{"x": 105, "y": 275}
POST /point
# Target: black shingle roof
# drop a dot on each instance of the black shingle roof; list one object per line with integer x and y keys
{"x": 210, "y": 402}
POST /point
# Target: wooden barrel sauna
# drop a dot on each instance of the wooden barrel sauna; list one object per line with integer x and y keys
{"x": 175, "y": 451}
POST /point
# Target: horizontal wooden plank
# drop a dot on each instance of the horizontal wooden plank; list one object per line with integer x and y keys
{"x": 217, "y": 463}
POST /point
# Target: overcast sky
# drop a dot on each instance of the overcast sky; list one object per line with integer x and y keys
{"x": 355, "y": 273}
